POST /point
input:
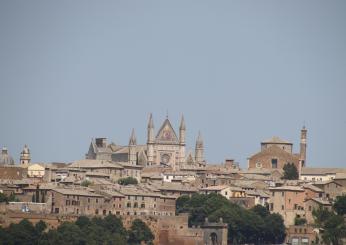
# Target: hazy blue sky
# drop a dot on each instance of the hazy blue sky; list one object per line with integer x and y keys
{"x": 240, "y": 71}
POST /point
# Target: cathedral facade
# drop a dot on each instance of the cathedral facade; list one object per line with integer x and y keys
{"x": 165, "y": 147}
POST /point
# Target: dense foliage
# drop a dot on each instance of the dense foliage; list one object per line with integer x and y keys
{"x": 128, "y": 181}
{"x": 256, "y": 225}
{"x": 332, "y": 224}
{"x": 109, "y": 230}
{"x": 340, "y": 205}
{"x": 290, "y": 172}
{"x": 140, "y": 232}
{"x": 299, "y": 221}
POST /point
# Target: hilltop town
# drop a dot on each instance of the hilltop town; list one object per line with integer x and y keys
{"x": 156, "y": 181}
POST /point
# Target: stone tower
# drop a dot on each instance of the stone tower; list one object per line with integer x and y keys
{"x": 150, "y": 141}
{"x": 302, "y": 154}
{"x": 215, "y": 233}
{"x": 25, "y": 157}
{"x": 199, "y": 150}
{"x": 182, "y": 130}
{"x": 132, "y": 148}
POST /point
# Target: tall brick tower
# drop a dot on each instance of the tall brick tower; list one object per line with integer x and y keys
{"x": 302, "y": 157}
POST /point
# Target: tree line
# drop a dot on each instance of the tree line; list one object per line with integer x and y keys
{"x": 84, "y": 231}
{"x": 255, "y": 225}
{"x": 332, "y": 222}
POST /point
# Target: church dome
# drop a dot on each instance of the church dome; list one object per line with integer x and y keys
{"x": 5, "y": 158}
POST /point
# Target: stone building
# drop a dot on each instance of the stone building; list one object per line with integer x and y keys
{"x": 301, "y": 235}
{"x": 165, "y": 148}
{"x": 331, "y": 188}
{"x": 224, "y": 190}
{"x": 320, "y": 174}
{"x": 76, "y": 202}
{"x": 315, "y": 203}
{"x": 288, "y": 201}
{"x": 141, "y": 201}
{"x": 275, "y": 153}
{"x": 12, "y": 172}
{"x": 175, "y": 231}
{"x": 114, "y": 170}
{"x": 36, "y": 171}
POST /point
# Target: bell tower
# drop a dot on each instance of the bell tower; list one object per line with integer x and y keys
{"x": 150, "y": 140}
{"x": 302, "y": 154}
{"x": 25, "y": 157}
{"x": 199, "y": 150}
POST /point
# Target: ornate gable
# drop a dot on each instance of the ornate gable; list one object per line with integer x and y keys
{"x": 167, "y": 134}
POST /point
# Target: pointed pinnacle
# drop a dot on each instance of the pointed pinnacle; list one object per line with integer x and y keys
{"x": 182, "y": 123}
{"x": 133, "y": 140}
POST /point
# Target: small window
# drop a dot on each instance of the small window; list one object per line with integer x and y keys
{"x": 274, "y": 163}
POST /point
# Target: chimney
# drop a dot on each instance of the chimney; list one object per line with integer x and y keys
{"x": 229, "y": 163}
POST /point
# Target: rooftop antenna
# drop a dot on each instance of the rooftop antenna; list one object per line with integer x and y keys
{"x": 167, "y": 114}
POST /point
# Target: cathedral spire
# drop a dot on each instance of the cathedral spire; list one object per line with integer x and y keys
{"x": 150, "y": 141}
{"x": 133, "y": 140}
{"x": 199, "y": 141}
{"x": 182, "y": 123}
{"x": 199, "y": 150}
{"x": 150, "y": 123}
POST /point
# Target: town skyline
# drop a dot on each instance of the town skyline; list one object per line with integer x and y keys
{"x": 239, "y": 73}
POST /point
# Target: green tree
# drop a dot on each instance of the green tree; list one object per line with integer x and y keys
{"x": 139, "y": 232}
{"x": 320, "y": 215}
{"x": 340, "y": 205}
{"x": 40, "y": 227}
{"x": 260, "y": 210}
{"x": 128, "y": 181}
{"x": 3, "y": 198}
{"x": 299, "y": 221}
{"x": 181, "y": 203}
{"x": 290, "y": 172}
{"x": 85, "y": 183}
{"x": 22, "y": 233}
{"x": 109, "y": 230}
{"x": 274, "y": 230}
{"x": 83, "y": 222}
{"x": 11, "y": 198}
{"x": 69, "y": 234}
{"x": 256, "y": 225}
{"x": 334, "y": 230}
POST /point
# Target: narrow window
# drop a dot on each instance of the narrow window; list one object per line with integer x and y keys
{"x": 274, "y": 163}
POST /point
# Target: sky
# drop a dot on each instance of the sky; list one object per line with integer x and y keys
{"x": 240, "y": 72}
